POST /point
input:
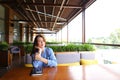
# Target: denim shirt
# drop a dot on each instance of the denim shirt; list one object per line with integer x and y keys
{"x": 49, "y": 55}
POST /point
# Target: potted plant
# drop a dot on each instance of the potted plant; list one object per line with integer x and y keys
{"x": 73, "y": 48}
{"x": 28, "y": 50}
{"x": 3, "y": 46}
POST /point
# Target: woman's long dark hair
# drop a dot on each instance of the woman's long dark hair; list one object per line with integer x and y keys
{"x": 35, "y": 43}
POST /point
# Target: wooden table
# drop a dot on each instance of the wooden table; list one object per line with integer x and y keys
{"x": 88, "y": 72}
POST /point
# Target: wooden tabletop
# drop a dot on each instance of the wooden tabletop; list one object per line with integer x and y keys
{"x": 88, "y": 72}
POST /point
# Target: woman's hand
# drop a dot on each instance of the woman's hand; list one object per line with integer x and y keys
{"x": 37, "y": 56}
{"x": 39, "y": 49}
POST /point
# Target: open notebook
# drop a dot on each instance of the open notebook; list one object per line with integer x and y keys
{"x": 36, "y": 72}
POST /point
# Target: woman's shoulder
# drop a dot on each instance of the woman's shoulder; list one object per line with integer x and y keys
{"x": 48, "y": 48}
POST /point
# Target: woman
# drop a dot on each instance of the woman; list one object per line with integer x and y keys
{"x": 42, "y": 56}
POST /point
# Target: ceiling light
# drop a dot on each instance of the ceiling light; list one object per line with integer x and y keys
{"x": 22, "y": 22}
{"x": 60, "y": 23}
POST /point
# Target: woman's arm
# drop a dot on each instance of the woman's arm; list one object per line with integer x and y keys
{"x": 52, "y": 61}
{"x": 40, "y": 58}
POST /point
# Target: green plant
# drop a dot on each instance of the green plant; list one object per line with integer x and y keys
{"x": 18, "y": 43}
{"x": 87, "y": 47}
{"x": 73, "y": 47}
{"x": 70, "y": 47}
{"x": 55, "y": 48}
{"x": 53, "y": 42}
{"x": 4, "y": 46}
{"x": 28, "y": 48}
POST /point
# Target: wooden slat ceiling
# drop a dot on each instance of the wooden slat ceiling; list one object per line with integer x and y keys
{"x": 52, "y": 15}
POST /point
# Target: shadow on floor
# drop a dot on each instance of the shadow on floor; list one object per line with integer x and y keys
{"x": 3, "y": 71}
{"x": 15, "y": 63}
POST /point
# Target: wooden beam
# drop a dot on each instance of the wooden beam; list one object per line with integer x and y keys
{"x": 41, "y": 4}
{"x": 39, "y": 21}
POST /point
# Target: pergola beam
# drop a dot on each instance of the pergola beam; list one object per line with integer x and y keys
{"x": 39, "y": 21}
{"x": 41, "y": 4}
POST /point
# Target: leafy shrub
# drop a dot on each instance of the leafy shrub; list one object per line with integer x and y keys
{"x": 28, "y": 48}
{"x": 87, "y": 47}
{"x": 4, "y": 46}
{"x": 69, "y": 47}
{"x": 53, "y": 42}
{"x": 18, "y": 43}
{"x": 73, "y": 47}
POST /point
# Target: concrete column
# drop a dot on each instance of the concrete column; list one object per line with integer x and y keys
{"x": 9, "y": 26}
{"x": 21, "y": 32}
{"x": 67, "y": 34}
{"x": 27, "y": 33}
{"x": 31, "y": 38}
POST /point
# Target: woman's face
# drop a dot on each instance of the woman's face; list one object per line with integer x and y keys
{"x": 40, "y": 42}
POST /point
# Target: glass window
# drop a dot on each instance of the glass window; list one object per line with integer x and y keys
{"x": 2, "y": 12}
{"x": 24, "y": 38}
{"x": 16, "y": 30}
{"x": 103, "y": 22}
{"x": 74, "y": 30}
{"x": 2, "y": 23}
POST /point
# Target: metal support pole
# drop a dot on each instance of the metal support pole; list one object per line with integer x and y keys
{"x": 67, "y": 34}
{"x": 83, "y": 26}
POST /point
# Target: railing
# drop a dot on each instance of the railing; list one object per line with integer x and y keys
{"x": 110, "y": 56}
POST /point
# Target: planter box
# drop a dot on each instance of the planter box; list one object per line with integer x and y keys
{"x": 70, "y": 57}
{"x": 88, "y": 55}
{"x": 5, "y": 58}
{"x": 27, "y": 59}
{"x": 67, "y": 57}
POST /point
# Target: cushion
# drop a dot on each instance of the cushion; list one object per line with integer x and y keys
{"x": 70, "y": 64}
{"x": 87, "y": 55}
{"x": 64, "y": 58}
{"x": 88, "y": 62}
{"x": 28, "y": 65}
{"x": 114, "y": 62}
